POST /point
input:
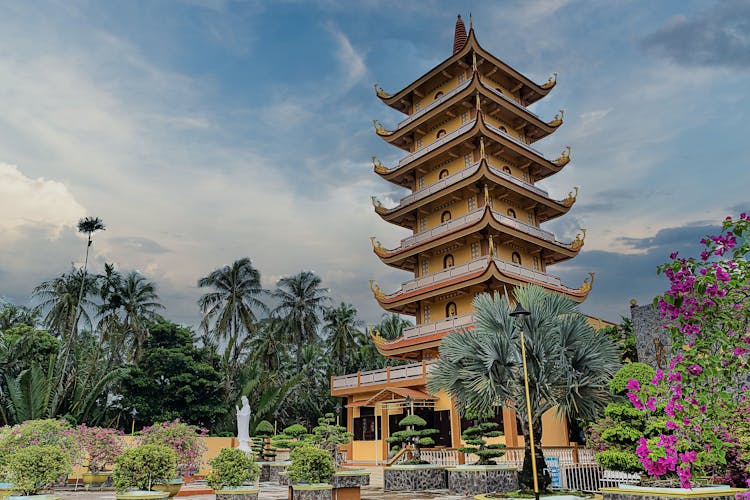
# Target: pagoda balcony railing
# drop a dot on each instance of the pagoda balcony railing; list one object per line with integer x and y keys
{"x": 436, "y": 144}
{"x": 476, "y": 265}
{"x": 513, "y": 139}
{"x": 442, "y": 325}
{"x": 390, "y": 374}
{"x": 434, "y": 104}
{"x": 463, "y": 174}
{"x": 512, "y": 101}
{"x": 472, "y": 217}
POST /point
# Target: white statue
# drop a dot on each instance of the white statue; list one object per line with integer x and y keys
{"x": 243, "y": 425}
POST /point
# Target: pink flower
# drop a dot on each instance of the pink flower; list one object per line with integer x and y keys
{"x": 633, "y": 385}
{"x": 721, "y": 274}
{"x": 695, "y": 369}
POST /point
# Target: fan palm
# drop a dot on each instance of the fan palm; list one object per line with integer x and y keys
{"x": 569, "y": 365}
{"x": 344, "y": 336}
{"x": 301, "y": 300}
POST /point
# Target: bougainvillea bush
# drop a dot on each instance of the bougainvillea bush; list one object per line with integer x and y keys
{"x": 100, "y": 446}
{"x": 704, "y": 392}
{"x": 186, "y": 440}
{"x": 46, "y": 432}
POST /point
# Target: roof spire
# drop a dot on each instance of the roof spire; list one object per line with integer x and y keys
{"x": 459, "y": 39}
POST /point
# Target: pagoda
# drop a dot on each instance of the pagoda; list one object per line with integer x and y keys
{"x": 474, "y": 213}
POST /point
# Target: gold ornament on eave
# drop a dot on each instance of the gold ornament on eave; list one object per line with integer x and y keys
{"x": 551, "y": 81}
{"x": 587, "y": 283}
{"x": 570, "y": 199}
{"x": 377, "y": 247}
{"x": 379, "y": 129}
{"x": 375, "y": 335}
{"x": 577, "y": 243}
{"x": 379, "y": 208}
{"x": 564, "y": 157}
{"x": 376, "y": 291}
{"x": 378, "y": 166}
{"x": 380, "y": 92}
{"x": 558, "y": 119}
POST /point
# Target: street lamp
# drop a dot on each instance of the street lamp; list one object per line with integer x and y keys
{"x": 520, "y": 312}
{"x": 338, "y": 412}
{"x": 133, "y": 412}
{"x": 409, "y": 404}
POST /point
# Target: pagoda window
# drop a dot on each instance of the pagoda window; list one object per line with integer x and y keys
{"x": 506, "y": 169}
{"x": 512, "y": 213}
{"x": 472, "y": 203}
{"x": 365, "y": 425}
{"x": 516, "y": 258}
{"x": 438, "y": 95}
{"x": 464, "y": 117}
{"x": 451, "y": 310}
{"x": 448, "y": 261}
{"x": 444, "y": 173}
{"x": 420, "y": 142}
{"x": 475, "y": 250}
{"x": 503, "y": 129}
{"x": 427, "y": 313}
{"x": 445, "y": 216}
{"x": 425, "y": 267}
{"x": 467, "y": 159}
{"x": 440, "y": 133}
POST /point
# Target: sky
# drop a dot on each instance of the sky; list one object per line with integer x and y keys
{"x": 203, "y": 131}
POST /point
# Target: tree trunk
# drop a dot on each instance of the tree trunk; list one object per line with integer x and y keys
{"x": 526, "y": 477}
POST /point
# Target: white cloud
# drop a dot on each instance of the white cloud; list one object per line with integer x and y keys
{"x": 39, "y": 202}
{"x": 353, "y": 65}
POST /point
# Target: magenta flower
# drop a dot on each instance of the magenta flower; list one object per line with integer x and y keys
{"x": 695, "y": 369}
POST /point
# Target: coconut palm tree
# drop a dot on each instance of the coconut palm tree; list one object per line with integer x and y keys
{"x": 392, "y": 325}
{"x": 88, "y": 226}
{"x": 344, "y": 335}
{"x": 269, "y": 347}
{"x": 140, "y": 304}
{"x": 569, "y": 365}
{"x": 58, "y": 299}
{"x": 301, "y": 300}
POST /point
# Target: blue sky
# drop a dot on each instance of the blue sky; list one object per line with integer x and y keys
{"x": 205, "y": 131}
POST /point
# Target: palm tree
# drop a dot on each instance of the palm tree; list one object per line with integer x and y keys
{"x": 269, "y": 346}
{"x": 344, "y": 336}
{"x": 139, "y": 303}
{"x": 301, "y": 301}
{"x": 87, "y": 225}
{"x": 59, "y": 300}
{"x": 392, "y": 325}
{"x": 569, "y": 365}
{"x": 229, "y": 313}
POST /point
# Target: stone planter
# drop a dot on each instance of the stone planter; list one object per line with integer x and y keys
{"x": 490, "y": 496}
{"x": 284, "y": 479}
{"x": 275, "y": 468}
{"x": 142, "y": 495}
{"x": 172, "y": 487}
{"x": 7, "y": 489}
{"x": 321, "y": 491}
{"x": 99, "y": 479}
{"x": 475, "y": 479}
{"x": 628, "y": 492}
{"x": 240, "y": 493}
{"x": 414, "y": 478}
{"x": 347, "y": 483}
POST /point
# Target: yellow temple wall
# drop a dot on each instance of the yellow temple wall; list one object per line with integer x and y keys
{"x": 503, "y": 206}
{"x": 433, "y": 176}
{"x": 508, "y": 127}
{"x": 499, "y": 163}
{"x": 496, "y": 85}
{"x": 460, "y": 255}
{"x": 457, "y": 209}
{"x": 463, "y": 306}
{"x": 447, "y": 125}
{"x": 430, "y": 95}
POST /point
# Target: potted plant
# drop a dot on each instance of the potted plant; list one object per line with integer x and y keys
{"x": 233, "y": 474}
{"x": 36, "y": 468}
{"x": 310, "y": 473}
{"x": 138, "y": 469}
{"x": 186, "y": 441}
{"x": 328, "y": 435}
{"x": 100, "y": 446}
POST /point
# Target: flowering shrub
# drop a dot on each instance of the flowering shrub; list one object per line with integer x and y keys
{"x": 186, "y": 440}
{"x": 100, "y": 445}
{"x": 47, "y": 432}
{"x": 706, "y": 311}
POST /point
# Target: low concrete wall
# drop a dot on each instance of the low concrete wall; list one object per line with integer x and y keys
{"x": 246, "y": 494}
{"x": 472, "y": 480}
{"x": 642, "y": 493}
{"x": 414, "y": 478}
{"x": 311, "y": 492}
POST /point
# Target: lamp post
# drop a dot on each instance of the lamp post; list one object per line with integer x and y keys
{"x": 338, "y": 412}
{"x": 133, "y": 413}
{"x": 520, "y": 312}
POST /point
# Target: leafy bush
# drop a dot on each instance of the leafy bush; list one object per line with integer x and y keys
{"x": 100, "y": 445}
{"x": 641, "y": 372}
{"x": 413, "y": 436}
{"x": 141, "y": 467}
{"x": 37, "y": 467}
{"x": 186, "y": 440}
{"x": 474, "y": 437}
{"x": 293, "y": 436}
{"x": 620, "y": 460}
{"x": 47, "y": 432}
{"x": 261, "y": 442}
{"x": 310, "y": 465}
{"x": 232, "y": 467}
{"x": 329, "y": 435}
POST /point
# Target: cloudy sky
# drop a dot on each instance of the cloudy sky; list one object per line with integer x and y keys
{"x": 203, "y": 131}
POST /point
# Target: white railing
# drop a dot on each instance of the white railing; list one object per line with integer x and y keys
{"x": 439, "y": 326}
{"x": 446, "y": 457}
{"x": 443, "y": 228}
{"x": 526, "y": 228}
{"x": 434, "y": 103}
{"x": 586, "y": 456}
{"x": 580, "y": 477}
{"x": 445, "y": 274}
{"x": 435, "y": 144}
{"x": 612, "y": 479}
{"x": 442, "y": 183}
{"x": 518, "y": 181}
{"x": 384, "y": 375}
{"x": 510, "y": 137}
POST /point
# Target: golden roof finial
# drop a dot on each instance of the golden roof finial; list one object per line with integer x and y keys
{"x": 379, "y": 128}
{"x": 482, "y": 153}
{"x": 474, "y": 60}
{"x": 378, "y": 166}
{"x": 479, "y": 103}
{"x": 471, "y": 24}
{"x": 587, "y": 283}
{"x": 492, "y": 246}
{"x": 376, "y": 291}
{"x": 379, "y": 208}
{"x": 375, "y": 335}
{"x": 558, "y": 119}
{"x": 577, "y": 243}
{"x": 486, "y": 196}
{"x": 551, "y": 81}
{"x": 571, "y": 198}
{"x": 380, "y": 92}
{"x": 377, "y": 247}
{"x": 564, "y": 157}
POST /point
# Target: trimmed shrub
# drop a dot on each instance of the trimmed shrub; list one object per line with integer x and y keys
{"x": 141, "y": 467}
{"x": 641, "y": 372}
{"x": 232, "y": 467}
{"x": 37, "y": 467}
{"x": 619, "y": 460}
{"x": 310, "y": 465}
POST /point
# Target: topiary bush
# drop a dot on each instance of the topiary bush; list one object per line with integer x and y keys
{"x": 310, "y": 465}
{"x": 641, "y": 372}
{"x": 37, "y": 467}
{"x": 143, "y": 466}
{"x": 620, "y": 460}
{"x": 231, "y": 468}
{"x": 293, "y": 436}
{"x": 476, "y": 442}
{"x": 261, "y": 441}
{"x": 329, "y": 435}
{"x": 415, "y": 436}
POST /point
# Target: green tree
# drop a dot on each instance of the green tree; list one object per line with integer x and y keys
{"x": 392, "y": 326}
{"x": 12, "y": 315}
{"x": 343, "y": 336}
{"x": 476, "y": 442}
{"x": 173, "y": 379}
{"x": 569, "y": 365}
{"x": 301, "y": 301}
{"x": 624, "y": 336}
{"x": 414, "y": 434}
